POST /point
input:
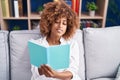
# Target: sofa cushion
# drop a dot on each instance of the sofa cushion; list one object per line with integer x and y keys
{"x": 104, "y": 79}
{"x": 118, "y": 74}
{"x": 4, "y": 56}
{"x": 20, "y": 63}
{"x": 102, "y": 51}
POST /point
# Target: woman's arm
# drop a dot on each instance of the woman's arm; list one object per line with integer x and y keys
{"x": 74, "y": 60}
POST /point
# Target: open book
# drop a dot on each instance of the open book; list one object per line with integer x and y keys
{"x": 57, "y": 57}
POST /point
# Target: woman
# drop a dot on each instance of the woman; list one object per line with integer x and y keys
{"x": 58, "y": 25}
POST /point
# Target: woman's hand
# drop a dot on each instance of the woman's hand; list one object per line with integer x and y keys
{"x": 47, "y": 71}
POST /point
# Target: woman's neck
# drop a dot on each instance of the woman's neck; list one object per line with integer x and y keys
{"x": 52, "y": 40}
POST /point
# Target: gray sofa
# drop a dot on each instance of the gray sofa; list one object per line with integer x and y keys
{"x": 99, "y": 48}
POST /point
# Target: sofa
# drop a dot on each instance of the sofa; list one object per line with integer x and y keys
{"x": 99, "y": 48}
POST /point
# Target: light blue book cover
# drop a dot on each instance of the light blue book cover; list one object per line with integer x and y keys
{"x": 56, "y": 56}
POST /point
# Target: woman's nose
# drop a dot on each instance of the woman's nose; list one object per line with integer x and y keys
{"x": 60, "y": 24}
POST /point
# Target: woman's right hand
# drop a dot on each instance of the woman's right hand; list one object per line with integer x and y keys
{"x": 47, "y": 71}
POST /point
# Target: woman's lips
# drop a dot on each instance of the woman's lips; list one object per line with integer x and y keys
{"x": 59, "y": 30}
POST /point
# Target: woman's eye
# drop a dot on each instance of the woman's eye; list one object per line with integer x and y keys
{"x": 56, "y": 21}
{"x": 65, "y": 23}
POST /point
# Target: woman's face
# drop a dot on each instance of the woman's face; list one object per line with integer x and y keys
{"x": 59, "y": 27}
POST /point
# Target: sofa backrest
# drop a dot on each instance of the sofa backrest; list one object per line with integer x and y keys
{"x": 20, "y": 63}
{"x": 4, "y": 56}
{"x": 102, "y": 52}
{"x": 19, "y": 58}
{"x": 101, "y": 47}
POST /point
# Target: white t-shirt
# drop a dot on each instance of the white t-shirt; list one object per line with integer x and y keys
{"x": 74, "y": 60}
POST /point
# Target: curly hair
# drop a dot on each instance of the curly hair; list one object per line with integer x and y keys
{"x": 55, "y": 10}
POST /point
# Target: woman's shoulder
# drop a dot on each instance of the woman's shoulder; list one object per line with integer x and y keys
{"x": 40, "y": 40}
{"x": 72, "y": 42}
